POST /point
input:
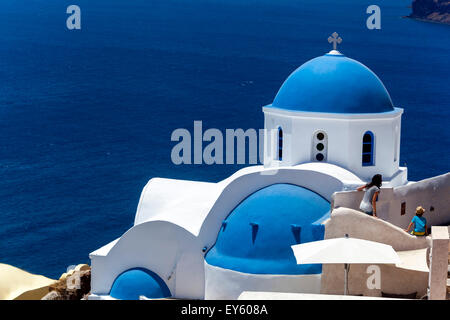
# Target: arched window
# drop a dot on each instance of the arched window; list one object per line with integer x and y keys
{"x": 367, "y": 149}
{"x": 280, "y": 144}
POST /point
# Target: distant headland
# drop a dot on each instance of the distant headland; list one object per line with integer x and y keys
{"x": 431, "y": 10}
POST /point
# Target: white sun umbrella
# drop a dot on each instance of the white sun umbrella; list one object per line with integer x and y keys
{"x": 344, "y": 250}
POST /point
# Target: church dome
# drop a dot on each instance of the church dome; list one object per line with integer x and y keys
{"x": 135, "y": 282}
{"x": 333, "y": 83}
{"x": 258, "y": 234}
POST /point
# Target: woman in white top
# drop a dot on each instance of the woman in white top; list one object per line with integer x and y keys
{"x": 369, "y": 201}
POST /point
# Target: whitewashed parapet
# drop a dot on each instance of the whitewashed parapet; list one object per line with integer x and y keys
{"x": 397, "y": 205}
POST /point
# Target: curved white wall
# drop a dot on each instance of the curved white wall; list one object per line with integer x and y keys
{"x": 242, "y": 186}
{"x": 171, "y": 252}
{"x": 167, "y": 241}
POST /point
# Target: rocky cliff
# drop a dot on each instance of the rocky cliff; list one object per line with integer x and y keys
{"x": 431, "y": 10}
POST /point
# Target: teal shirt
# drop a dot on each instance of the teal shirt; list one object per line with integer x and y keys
{"x": 419, "y": 223}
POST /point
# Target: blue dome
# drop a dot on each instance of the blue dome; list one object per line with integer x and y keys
{"x": 257, "y": 235}
{"x": 333, "y": 84}
{"x": 133, "y": 283}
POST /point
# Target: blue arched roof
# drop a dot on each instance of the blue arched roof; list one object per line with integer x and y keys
{"x": 333, "y": 84}
{"x": 257, "y": 235}
{"x": 133, "y": 283}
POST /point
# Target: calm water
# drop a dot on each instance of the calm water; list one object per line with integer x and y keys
{"x": 86, "y": 116}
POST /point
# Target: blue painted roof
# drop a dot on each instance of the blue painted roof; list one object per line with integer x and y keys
{"x": 257, "y": 235}
{"x": 333, "y": 84}
{"x": 135, "y": 282}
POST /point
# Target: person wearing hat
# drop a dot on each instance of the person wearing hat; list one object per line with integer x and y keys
{"x": 420, "y": 223}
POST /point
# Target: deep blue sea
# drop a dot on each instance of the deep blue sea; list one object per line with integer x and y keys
{"x": 86, "y": 116}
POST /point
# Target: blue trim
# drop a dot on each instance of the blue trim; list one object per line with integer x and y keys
{"x": 370, "y": 153}
{"x": 280, "y": 144}
{"x": 132, "y": 283}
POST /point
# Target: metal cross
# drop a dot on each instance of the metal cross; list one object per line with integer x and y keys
{"x": 335, "y": 39}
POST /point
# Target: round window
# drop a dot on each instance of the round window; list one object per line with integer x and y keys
{"x": 320, "y": 136}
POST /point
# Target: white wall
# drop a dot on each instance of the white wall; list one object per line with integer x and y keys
{"x": 227, "y": 284}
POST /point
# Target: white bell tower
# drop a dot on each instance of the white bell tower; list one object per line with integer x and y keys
{"x": 335, "y": 110}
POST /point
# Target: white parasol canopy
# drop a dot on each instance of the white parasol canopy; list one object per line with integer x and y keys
{"x": 345, "y": 250}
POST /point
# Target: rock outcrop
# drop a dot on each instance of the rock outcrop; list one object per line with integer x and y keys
{"x": 73, "y": 285}
{"x": 431, "y": 10}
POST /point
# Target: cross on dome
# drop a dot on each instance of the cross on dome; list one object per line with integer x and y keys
{"x": 335, "y": 39}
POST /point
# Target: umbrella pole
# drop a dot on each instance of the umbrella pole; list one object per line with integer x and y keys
{"x": 346, "y": 279}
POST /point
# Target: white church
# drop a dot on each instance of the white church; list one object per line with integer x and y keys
{"x": 331, "y": 127}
